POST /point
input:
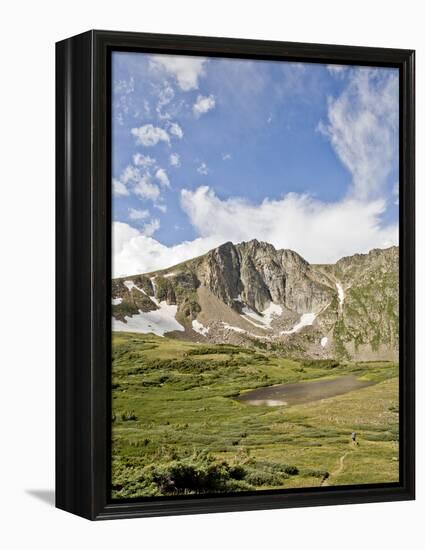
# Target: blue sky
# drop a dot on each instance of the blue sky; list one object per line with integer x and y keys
{"x": 209, "y": 149}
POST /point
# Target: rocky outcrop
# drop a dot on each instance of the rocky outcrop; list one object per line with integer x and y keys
{"x": 255, "y": 273}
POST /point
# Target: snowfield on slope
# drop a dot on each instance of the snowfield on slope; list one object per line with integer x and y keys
{"x": 341, "y": 294}
{"x": 266, "y": 317}
{"x": 158, "y": 322}
{"x": 199, "y": 328}
{"x": 306, "y": 320}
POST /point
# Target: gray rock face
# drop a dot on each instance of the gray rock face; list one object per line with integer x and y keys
{"x": 257, "y": 273}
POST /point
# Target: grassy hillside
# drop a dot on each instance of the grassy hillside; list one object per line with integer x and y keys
{"x": 178, "y": 429}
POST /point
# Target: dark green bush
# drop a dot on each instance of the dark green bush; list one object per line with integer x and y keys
{"x": 291, "y": 470}
{"x": 198, "y": 474}
{"x": 316, "y": 473}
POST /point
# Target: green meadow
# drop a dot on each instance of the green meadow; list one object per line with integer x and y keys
{"x": 178, "y": 429}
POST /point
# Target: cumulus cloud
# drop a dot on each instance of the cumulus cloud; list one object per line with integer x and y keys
{"x": 202, "y": 169}
{"x": 203, "y": 104}
{"x": 175, "y": 159}
{"x": 165, "y": 96}
{"x": 320, "y": 232}
{"x": 118, "y": 188}
{"x": 145, "y": 189}
{"x": 150, "y": 228}
{"x": 130, "y": 174}
{"x": 162, "y": 177}
{"x": 185, "y": 69}
{"x": 175, "y": 130}
{"x": 135, "y": 214}
{"x": 134, "y": 252}
{"x": 140, "y": 181}
{"x": 143, "y": 160}
{"x": 362, "y": 128}
{"x": 150, "y": 135}
{"x": 226, "y": 156}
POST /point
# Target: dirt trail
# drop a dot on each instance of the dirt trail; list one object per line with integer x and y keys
{"x": 337, "y": 471}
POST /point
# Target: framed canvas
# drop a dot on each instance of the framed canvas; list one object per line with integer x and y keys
{"x": 235, "y": 275}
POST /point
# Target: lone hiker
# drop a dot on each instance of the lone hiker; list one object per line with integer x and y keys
{"x": 353, "y": 438}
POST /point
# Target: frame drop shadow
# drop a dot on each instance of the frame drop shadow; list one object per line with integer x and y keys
{"x": 45, "y": 495}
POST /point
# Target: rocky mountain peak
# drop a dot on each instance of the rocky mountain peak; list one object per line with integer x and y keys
{"x": 348, "y": 309}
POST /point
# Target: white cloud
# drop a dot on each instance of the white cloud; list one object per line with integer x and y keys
{"x": 140, "y": 183}
{"x": 150, "y": 228}
{"x": 130, "y": 174}
{"x": 149, "y": 135}
{"x": 134, "y": 252}
{"x": 362, "y": 128}
{"x": 226, "y": 156}
{"x": 165, "y": 96}
{"x": 161, "y": 207}
{"x": 185, "y": 69}
{"x": 203, "y": 104}
{"x": 123, "y": 100}
{"x": 299, "y": 222}
{"x": 320, "y": 232}
{"x": 338, "y": 70}
{"x": 175, "y": 130}
{"x": 145, "y": 189}
{"x": 202, "y": 169}
{"x": 118, "y": 188}
{"x": 136, "y": 214}
{"x": 124, "y": 86}
{"x": 175, "y": 159}
{"x": 143, "y": 160}
{"x": 162, "y": 177}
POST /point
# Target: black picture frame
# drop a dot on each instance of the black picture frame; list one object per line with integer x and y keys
{"x": 83, "y": 273}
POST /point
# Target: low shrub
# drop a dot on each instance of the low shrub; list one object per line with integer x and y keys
{"x": 128, "y": 415}
{"x": 315, "y": 473}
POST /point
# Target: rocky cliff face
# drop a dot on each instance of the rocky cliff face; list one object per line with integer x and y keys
{"x": 256, "y": 274}
{"x": 252, "y": 294}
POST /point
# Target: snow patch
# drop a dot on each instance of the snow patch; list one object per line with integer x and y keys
{"x": 130, "y": 285}
{"x": 273, "y": 310}
{"x": 306, "y": 320}
{"x": 266, "y": 317}
{"x": 154, "y": 300}
{"x": 169, "y": 274}
{"x": 199, "y": 327}
{"x": 250, "y": 315}
{"x": 341, "y": 294}
{"x": 324, "y": 341}
{"x": 159, "y": 321}
{"x": 236, "y": 329}
{"x": 116, "y": 301}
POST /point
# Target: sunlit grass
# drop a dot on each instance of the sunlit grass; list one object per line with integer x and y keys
{"x": 174, "y": 400}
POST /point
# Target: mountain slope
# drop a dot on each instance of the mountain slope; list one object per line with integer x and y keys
{"x": 252, "y": 294}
